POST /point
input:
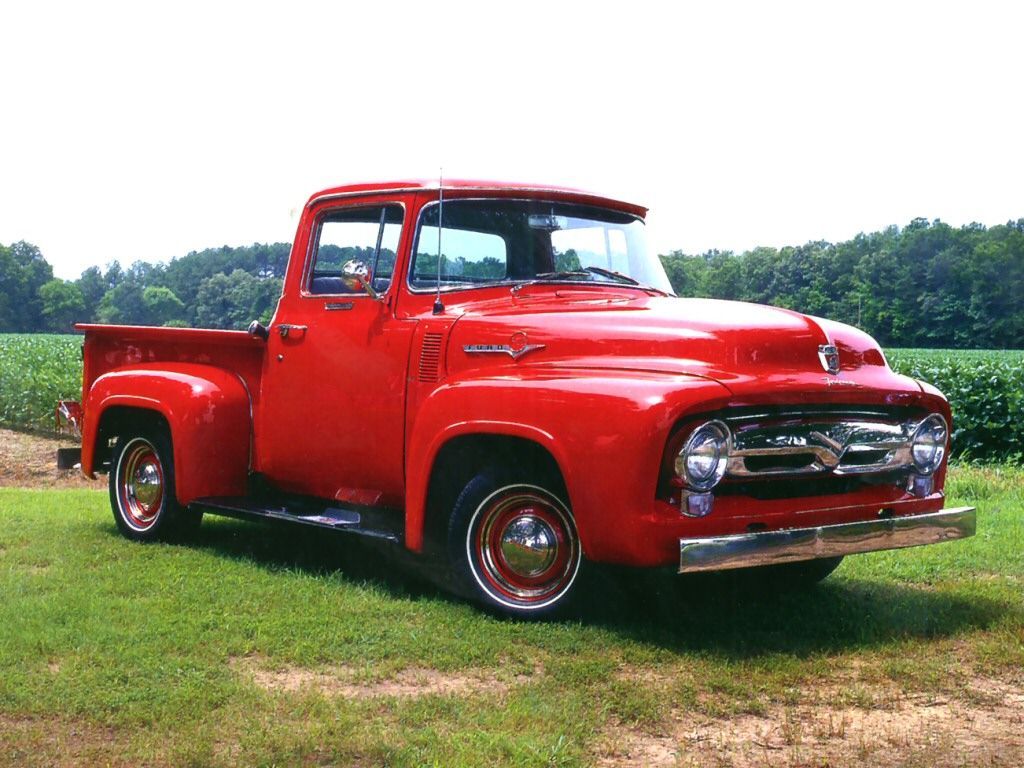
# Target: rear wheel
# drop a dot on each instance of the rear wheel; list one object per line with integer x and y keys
{"x": 514, "y": 546}
{"x": 142, "y": 489}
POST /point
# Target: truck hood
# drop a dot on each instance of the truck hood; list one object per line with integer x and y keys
{"x": 746, "y": 347}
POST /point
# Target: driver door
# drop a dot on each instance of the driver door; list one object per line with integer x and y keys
{"x": 334, "y": 390}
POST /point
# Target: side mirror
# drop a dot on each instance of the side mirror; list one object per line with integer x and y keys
{"x": 356, "y": 276}
{"x": 257, "y": 329}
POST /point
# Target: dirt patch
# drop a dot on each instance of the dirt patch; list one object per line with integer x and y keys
{"x": 922, "y": 729}
{"x": 30, "y": 461}
{"x": 347, "y": 682}
{"x": 623, "y": 746}
{"x": 51, "y": 741}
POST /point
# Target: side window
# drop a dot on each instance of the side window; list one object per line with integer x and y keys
{"x": 367, "y": 234}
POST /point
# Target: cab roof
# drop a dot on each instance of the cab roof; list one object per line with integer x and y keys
{"x": 503, "y": 188}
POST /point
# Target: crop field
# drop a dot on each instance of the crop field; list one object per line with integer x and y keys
{"x": 251, "y": 646}
{"x": 36, "y": 370}
{"x": 985, "y": 388}
{"x": 986, "y": 392}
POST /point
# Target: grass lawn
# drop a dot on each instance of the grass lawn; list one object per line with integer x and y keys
{"x": 267, "y": 646}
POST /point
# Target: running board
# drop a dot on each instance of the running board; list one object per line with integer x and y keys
{"x": 363, "y": 521}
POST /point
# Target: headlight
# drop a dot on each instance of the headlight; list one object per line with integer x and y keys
{"x": 701, "y": 463}
{"x": 928, "y": 448}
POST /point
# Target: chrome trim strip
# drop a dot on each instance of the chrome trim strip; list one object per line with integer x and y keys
{"x": 501, "y": 349}
{"x": 808, "y": 413}
{"x": 746, "y": 550}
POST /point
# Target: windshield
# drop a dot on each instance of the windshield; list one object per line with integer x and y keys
{"x": 488, "y": 242}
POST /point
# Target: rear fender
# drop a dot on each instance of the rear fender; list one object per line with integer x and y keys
{"x": 208, "y": 410}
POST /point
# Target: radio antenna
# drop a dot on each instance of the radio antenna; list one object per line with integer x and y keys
{"x": 438, "y": 306}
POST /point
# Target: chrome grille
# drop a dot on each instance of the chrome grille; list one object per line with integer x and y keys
{"x": 855, "y": 443}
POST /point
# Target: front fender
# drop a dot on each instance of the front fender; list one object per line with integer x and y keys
{"x": 209, "y": 414}
{"x": 605, "y": 429}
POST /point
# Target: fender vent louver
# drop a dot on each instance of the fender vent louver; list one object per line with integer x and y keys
{"x": 430, "y": 357}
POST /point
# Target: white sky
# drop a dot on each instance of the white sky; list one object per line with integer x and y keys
{"x": 143, "y": 130}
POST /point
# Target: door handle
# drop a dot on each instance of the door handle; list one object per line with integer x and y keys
{"x": 287, "y": 330}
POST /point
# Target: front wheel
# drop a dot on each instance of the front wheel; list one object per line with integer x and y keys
{"x": 142, "y": 489}
{"x": 514, "y": 546}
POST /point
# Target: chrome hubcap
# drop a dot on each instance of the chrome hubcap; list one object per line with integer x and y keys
{"x": 146, "y": 484}
{"x": 523, "y": 547}
{"x": 140, "y": 484}
{"x": 528, "y": 546}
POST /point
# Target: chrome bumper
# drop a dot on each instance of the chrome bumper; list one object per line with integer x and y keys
{"x": 745, "y": 550}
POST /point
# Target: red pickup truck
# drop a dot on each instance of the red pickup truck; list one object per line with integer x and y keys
{"x": 499, "y": 376}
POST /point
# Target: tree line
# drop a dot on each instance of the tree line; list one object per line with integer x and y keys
{"x": 214, "y": 288}
{"x": 923, "y": 285}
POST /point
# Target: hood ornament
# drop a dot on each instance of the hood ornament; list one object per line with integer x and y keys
{"x": 828, "y": 354}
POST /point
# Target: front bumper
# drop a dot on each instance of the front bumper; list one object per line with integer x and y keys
{"x": 746, "y": 550}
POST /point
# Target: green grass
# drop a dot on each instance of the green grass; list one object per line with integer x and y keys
{"x": 114, "y": 652}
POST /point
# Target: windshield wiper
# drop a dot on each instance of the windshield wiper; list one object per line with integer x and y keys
{"x": 589, "y": 272}
{"x": 625, "y": 278}
{"x": 586, "y": 272}
{"x": 562, "y": 275}
{"x": 612, "y": 274}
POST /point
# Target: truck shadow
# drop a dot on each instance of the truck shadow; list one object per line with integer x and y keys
{"x": 737, "y": 617}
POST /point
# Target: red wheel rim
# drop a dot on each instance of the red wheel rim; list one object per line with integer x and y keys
{"x": 140, "y": 485}
{"x": 523, "y": 547}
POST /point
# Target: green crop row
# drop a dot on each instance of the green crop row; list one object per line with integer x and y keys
{"x": 985, "y": 388}
{"x": 36, "y": 370}
{"x": 986, "y": 391}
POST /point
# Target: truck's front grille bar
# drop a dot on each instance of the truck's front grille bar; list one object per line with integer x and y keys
{"x": 839, "y": 444}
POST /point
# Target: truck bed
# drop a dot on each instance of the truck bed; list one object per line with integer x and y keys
{"x": 109, "y": 347}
